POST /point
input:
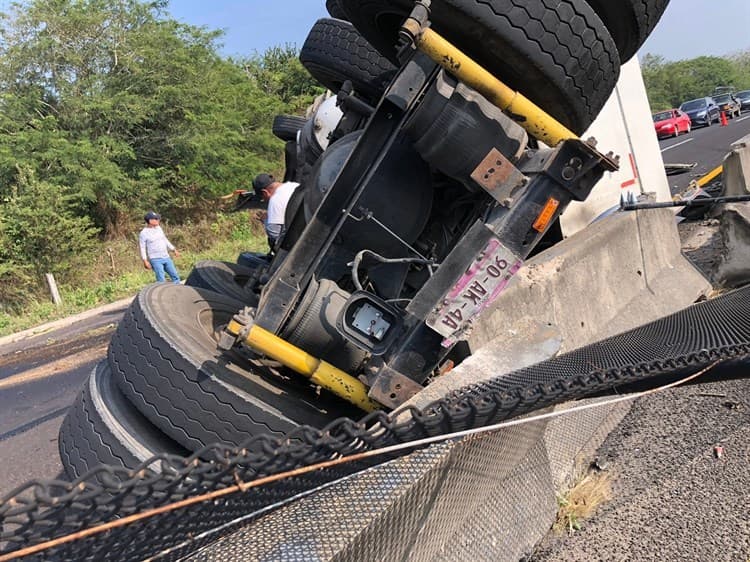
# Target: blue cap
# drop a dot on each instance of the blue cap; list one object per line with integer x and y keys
{"x": 152, "y": 215}
{"x": 261, "y": 182}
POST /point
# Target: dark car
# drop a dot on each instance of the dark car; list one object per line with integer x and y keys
{"x": 728, "y": 104}
{"x": 744, "y": 98}
{"x": 702, "y": 111}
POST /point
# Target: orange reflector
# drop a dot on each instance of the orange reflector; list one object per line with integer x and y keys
{"x": 545, "y": 217}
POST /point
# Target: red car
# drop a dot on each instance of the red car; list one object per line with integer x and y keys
{"x": 671, "y": 123}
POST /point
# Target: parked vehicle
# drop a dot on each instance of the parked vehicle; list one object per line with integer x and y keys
{"x": 744, "y": 98}
{"x": 729, "y": 105}
{"x": 671, "y": 123}
{"x": 702, "y": 111}
{"x": 720, "y": 90}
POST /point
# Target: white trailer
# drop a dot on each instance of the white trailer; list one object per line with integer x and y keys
{"x": 625, "y": 127}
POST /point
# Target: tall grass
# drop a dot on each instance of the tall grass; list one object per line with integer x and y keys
{"x": 118, "y": 272}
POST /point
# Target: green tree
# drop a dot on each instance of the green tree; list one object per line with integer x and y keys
{"x": 126, "y": 108}
{"x": 39, "y": 236}
{"x": 668, "y": 84}
{"x": 280, "y": 74}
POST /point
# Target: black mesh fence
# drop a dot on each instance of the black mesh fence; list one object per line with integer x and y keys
{"x": 171, "y": 506}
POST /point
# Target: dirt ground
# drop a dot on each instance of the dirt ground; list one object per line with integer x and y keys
{"x": 679, "y": 465}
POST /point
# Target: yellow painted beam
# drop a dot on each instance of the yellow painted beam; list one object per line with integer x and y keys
{"x": 319, "y": 372}
{"x": 710, "y": 176}
{"x": 530, "y": 116}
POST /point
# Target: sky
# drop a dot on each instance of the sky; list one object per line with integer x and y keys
{"x": 689, "y": 28}
{"x": 252, "y": 26}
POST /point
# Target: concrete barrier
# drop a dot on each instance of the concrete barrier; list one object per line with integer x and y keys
{"x": 734, "y": 219}
{"x": 618, "y": 273}
{"x": 736, "y": 173}
{"x": 733, "y": 269}
{"x": 493, "y": 496}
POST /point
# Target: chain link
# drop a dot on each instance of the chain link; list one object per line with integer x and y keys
{"x": 44, "y": 510}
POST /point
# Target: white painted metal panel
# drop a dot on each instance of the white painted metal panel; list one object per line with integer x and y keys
{"x": 624, "y": 127}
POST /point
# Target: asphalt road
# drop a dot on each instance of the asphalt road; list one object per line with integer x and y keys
{"x": 705, "y": 146}
{"x": 676, "y": 485}
{"x": 673, "y": 497}
{"x": 40, "y": 377}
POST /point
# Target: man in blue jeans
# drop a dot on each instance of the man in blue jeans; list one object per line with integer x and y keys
{"x": 155, "y": 249}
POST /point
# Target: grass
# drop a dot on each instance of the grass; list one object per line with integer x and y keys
{"x": 581, "y": 501}
{"x": 118, "y": 272}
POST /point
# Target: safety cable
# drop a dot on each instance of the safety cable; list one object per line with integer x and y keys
{"x": 414, "y": 444}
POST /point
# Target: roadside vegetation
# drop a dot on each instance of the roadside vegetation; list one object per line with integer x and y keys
{"x": 669, "y": 83}
{"x": 115, "y": 271}
{"x": 109, "y": 108}
{"x": 582, "y": 501}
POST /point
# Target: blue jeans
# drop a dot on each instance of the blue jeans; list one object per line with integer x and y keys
{"x": 160, "y": 265}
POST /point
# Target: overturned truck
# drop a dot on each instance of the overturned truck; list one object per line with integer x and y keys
{"x": 444, "y": 161}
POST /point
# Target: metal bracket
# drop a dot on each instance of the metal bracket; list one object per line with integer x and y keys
{"x": 392, "y": 389}
{"x": 499, "y": 177}
{"x": 238, "y": 328}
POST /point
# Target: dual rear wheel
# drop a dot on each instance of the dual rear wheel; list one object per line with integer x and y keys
{"x": 563, "y": 54}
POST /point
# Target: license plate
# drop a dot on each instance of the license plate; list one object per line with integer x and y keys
{"x": 478, "y": 287}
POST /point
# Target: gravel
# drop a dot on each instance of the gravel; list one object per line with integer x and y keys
{"x": 676, "y": 496}
{"x": 673, "y": 498}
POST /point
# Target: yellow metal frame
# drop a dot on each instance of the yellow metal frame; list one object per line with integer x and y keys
{"x": 530, "y": 116}
{"x": 319, "y": 372}
{"x": 710, "y": 176}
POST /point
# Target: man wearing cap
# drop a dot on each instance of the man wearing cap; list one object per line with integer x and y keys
{"x": 277, "y": 194}
{"x": 155, "y": 249}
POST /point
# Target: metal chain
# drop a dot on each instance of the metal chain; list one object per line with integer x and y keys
{"x": 42, "y": 510}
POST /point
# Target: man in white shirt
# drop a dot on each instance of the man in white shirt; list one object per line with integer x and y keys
{"x": 155, "y": 248}
{"x": 277, "y": 194}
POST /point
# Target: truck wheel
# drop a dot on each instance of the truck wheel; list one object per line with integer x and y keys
{"x": 225, "y": 278}
{"x": 285, "y": 127}
{"x": 290, "y": 160}
{"x": 556, "y": 52}
{"x": 165, "y": 359}
{"x": 333, "y": 8}
{"x": 335, "y": 52}
{"x": 629, "y": 22}
{"x": 102, "y": 427}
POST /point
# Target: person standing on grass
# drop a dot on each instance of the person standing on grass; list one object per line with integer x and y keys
{"x": 155, "y": 248}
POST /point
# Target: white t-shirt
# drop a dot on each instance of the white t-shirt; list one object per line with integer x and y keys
{"x": 153, "y": 243}
{"x": 278, "y": 202}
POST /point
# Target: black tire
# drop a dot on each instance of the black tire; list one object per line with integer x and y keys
{"x": 102, "y": 427}
{"x": 630, "y": 22}
{"x": 254, "y": 260}
{"x": 333, "y": 8}
{"x": 290, "y": 160}
{"x": 556, "y": 52}
{"x": 334, "y": 52}
{"x": 285, "y": 127}
{"x": 222, "y": 277}
{"x": 165, "y": 359}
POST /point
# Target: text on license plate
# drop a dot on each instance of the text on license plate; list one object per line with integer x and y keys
{"x": 477, "y": 288}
